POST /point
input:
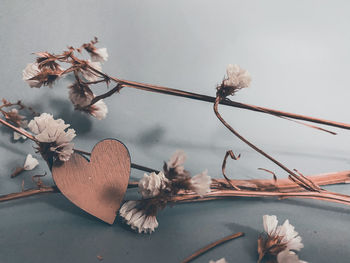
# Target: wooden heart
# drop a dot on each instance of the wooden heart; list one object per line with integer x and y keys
{"x": 96, "y": 186}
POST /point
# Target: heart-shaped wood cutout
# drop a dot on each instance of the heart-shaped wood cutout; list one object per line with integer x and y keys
{"x": 98, "y": 186}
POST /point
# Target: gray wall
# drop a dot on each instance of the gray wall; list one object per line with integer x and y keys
{"x": 298, "y": 55}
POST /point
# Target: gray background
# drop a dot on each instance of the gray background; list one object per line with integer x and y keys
{"x": 298, "y": 55}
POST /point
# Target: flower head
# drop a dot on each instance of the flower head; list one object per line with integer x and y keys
{"x": 54, "y": 140}
{"x": 150, "y": 185}
{"x": 99, "y": 54}
{"x": 174, "y": 167}
{"x": 237, "y": 78}
{"x": 288, "y": 256}
{"x": 88, "y": 71}
{"x": 200, "y": 183}
{"x": 99, "y": 110}
{"x": 277, "y": 238}
{"x": 36, "y": 77}
{"x": 137, "y": 218}
{"x": 221, "y": 260}
{"x": 30, "y": 163}
{"x": 81, "y": 96}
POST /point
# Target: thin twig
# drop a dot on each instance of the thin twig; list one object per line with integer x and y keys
{"x": 23, "y": 132}
{"x": 223, "y": 167}
{"x": 304, "y": 183}
{"x": 132, "y": 165}
{"x": 213, "y": 245}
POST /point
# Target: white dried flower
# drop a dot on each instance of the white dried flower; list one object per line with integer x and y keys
{"x": 99, "y": 54}
{"x": 17, "y": 136}
{"x": 279, "y": 238}
{"x": 137, "y": 219}
{"x": 89, "y": 74}
{"x": 80, "y": 95}
{"x": 176, "y": 161}
{"x": 288, "y": 256}
{"x": 31, "y": 71}
{"x": 36, "y": 76}
{"x": 51, "y": 134}
{"x": 237, "y": 77}
{"x": 99, "y": 110}
{"x": 150, "y": 185}
{"x": 221, "y": 260}
{"x": 30, "y": 163}
{"x": 200, "y": 183}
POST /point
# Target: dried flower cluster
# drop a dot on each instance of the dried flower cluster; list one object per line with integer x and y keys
{"x": 278, "y": 243}
{"x": 53, "y": 138}
{"x": 157, "y": 188}
{"x": 47, "y": 69}
{"x": 237, "y": 78}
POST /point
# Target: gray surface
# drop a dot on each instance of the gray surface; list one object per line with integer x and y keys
{"x": 298, "y": 54}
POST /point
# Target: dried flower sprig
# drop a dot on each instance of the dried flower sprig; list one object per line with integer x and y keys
{"x": 279, "y": 239}
{"x": 158, "y": 188}
{"x": 29, "y": 164}
{"x": 91, "y": 71}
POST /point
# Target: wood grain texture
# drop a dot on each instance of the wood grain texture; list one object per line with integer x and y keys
{"x": 98, "y": 186}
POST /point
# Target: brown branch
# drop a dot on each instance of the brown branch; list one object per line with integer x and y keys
{"x": 210, "y": 99}
{"x": 223, "y": 167}
{"x": 213, "y": 245}
{"x": 29, "y": 192}
{"x": 23, "y": 132}
{"x": 107, "y": 94}
{"x": 303, "y": 182}
{"x": 253, "y": 185}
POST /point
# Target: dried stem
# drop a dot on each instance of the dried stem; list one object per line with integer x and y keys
{"x": 213, "y": 245}
{"x": 133, "y": 165}
{"x": 23, "y": 132}
{"x": 227, "y": 102}
{"x": 299, "y": 179}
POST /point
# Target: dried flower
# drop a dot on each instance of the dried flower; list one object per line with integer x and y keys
{"x": 99, "y": 54}
{"x": 137, "y": 218}
{"x": 81, "y": 96}
{"x": 37, "y": 77}
{"x": 177, "y": 160}
{"x": 47, "y": 60}
{"x": 17, "y": 136}
{"x": 88, "y": 73}
{"x": 277, "y": 238}
{"x": 54, "y": 141}
{"x": 151, "y": 185}
{"x": 30, "y": 163}
{"x": 288, "y": 256}
{"x": 200, "y": 183}
{"x": 99, "y": 110}
{"x": 237, "y": 79}
{"x": 221, "y": 260}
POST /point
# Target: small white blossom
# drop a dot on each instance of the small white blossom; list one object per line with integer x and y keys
{"x": 17, "y": 136}
{"x": 282, "y": 238}
{"x": 200, "y": 183}
{"x": 270, "y": 224}
{"x": 288, "y": 256}
{"x": 30, "y": 71}
{"x": 150, "y": 185}
{"x": 89, "y": 74}
{"x": 137, "y": 219}
{"x": 47, "y": 130}
{"x": 30, "y": 163}
{"x": 79, "y": 97}
{"x": 176, "y": 161}
{"x": 221, "y": 260}
{"x": 237, "y": 77}
{"x": 99, "y": 110}
{"x": 99, "y": 54}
